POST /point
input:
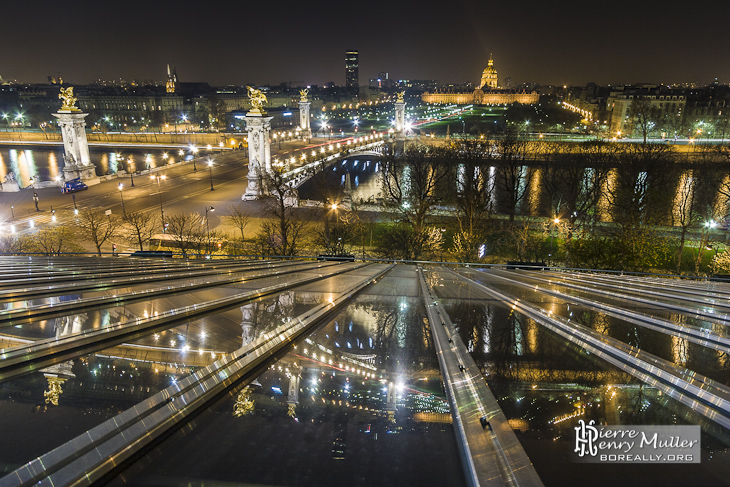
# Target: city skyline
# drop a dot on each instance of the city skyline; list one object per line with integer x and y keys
{"x": 305, "y": 44}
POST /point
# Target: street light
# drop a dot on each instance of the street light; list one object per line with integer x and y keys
{"x": 121, "y": 195}
{"x": 194, "y": 150}
{"x": 159, "y": 193}
{"x": 334, "y": 208}
{"x": 35, "y": 195}
{"x": 130, "y": 169}
{"x": 207, "y": 225}
{"x": 210, "y": 167}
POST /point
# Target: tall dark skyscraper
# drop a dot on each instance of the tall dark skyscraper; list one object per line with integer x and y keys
{"x": 352, "y": 60}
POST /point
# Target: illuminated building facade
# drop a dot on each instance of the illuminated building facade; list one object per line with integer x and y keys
{"x": 488, "y": 93}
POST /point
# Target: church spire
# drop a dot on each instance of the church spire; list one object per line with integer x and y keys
{"x": 171, "y": 84}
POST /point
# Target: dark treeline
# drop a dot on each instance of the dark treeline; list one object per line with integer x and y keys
{"x": 593, "y": 204}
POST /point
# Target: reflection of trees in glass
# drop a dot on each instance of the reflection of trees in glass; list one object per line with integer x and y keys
{"x": 518, "y": 349}
{"x": 402, "y": 339}
{"x": 269, "y": 313}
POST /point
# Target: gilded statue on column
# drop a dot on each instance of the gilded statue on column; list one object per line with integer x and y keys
{"x": 54, "y": 390}
{"x": 400, "y": 95}
{"x": 303, "y": 94}
{"x": 244, "y": 404}
{"x": 69, "y": 100}
{"x": 257, "y": 99}
{"x": 292, "y": 412}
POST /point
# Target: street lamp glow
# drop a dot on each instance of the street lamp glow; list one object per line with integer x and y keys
{"x": 210, "y": 168}
{"x": 556, "y": 220}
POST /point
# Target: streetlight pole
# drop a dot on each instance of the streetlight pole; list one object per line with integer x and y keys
{"x": 35, "y": 195}
{"x": 334, "y": 210}
{"x": 210, "y": 167}
{"x": 130, "y": 168}
{"x": 193, "y": 151}
{"x": 207, "y": 226}
{"x": 121, "y": 195}
{"x": 159, "y": 193}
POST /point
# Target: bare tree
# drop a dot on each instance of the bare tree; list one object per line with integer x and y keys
{"x": 338, "y": 237}
{"x": 474, "y": 183}
{"x": 513, "y": 175}
{"x": 238, "y": 215}
{"x": 642, "y": 115}
{"x": 54, "y": 240}
{"x": 141, "y": 227}
{"x": 186, "y": 229}
{"x": 684, "y": 214}
{"x": 639, "y": 201}
{"x": 414, "y": 183}
{"x": 282, "y": 234}
{"x": 574, "y": 177}
{"x": 96, "y": 226}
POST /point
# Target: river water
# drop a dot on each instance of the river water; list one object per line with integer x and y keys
{"x": 47, "y": 163}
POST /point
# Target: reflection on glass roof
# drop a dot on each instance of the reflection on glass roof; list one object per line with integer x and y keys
{"x": 358, "y": 397}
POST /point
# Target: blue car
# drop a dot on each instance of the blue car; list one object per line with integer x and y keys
{"x": 73, "y": 186}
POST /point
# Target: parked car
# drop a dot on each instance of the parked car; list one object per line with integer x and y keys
{"x": 73, "y": 186}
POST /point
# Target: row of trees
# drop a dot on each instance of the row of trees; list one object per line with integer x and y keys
{"x": 594, "y": 204}
{"x": 189, "y": 232}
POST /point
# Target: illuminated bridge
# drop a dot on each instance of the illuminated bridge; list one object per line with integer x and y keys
{"x": 126, "y": 371}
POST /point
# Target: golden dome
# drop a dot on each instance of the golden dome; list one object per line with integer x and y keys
{"x": 489, "y": 76}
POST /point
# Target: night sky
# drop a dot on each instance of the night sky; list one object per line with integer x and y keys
{"x": 224, "y": 42}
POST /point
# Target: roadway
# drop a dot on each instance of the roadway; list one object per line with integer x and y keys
{"x": 186, "y": 188}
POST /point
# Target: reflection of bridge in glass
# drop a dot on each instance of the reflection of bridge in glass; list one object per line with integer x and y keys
{"x": 307, "y": 373}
